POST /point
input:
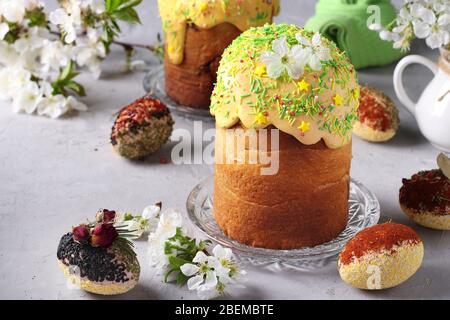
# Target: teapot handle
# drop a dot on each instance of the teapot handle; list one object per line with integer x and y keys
{"x": 398, "y": 78}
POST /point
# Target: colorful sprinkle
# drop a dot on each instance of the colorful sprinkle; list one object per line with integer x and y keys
{"x": 260, "y": 70}
{"x": 261, "y": 118}
{"x": 303, "y": 85}
{"x": 203, "y": 7}
{"x": 304, "y": 126}
{"x": 338, "y": 99}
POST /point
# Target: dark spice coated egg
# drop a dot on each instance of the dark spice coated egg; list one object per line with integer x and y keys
{"x": 425, "y": 199}
{"x": 141, "y": 128}
{"x": 106, "y": 271}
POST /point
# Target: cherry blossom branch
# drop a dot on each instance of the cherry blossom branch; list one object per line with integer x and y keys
{"x": 127, "y": 46}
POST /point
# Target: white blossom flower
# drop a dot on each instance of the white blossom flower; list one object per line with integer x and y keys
{"x": 317, "y": 50}
{"x": 34, "y": 4}
{"x": 28, "y": 48}
{"x": 227, "y": 269}
{"x": 433, "y": 28}
{"x": 386, "y": 35}
{"x": 6, "y": 86}
{"x": 73, "y": 104}
{"x": 27, "y": 98}
{"x": 375, "y": 27}
{"x": 12, "y": 78}
{"x": 211, "y": 275}
{"x": 203, "y": 277}
{"x": 151, "y": 213}
{"x": 168, "y": 223}
{"x": 4, "y": 29}
{"x": 424, "y": 19}
{"x": 68, "y": 19}
{"x": 90, "y": 52}
{"x": 137, "y": 225}
{"x": 8, "y": 55}
{"x": 13, "y": 10}
{"x": 282, "y": 58}
{"x": 224, "y": 263}
{"x": 54, "y": 55}
{"x": 34, "y": 39}
{"x": 53, "y": 106}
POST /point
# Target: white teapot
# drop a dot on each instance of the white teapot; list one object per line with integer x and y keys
{"x": 432, "y": 111}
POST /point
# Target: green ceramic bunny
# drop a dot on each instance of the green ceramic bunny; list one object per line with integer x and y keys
{"x": 345, "y": 22}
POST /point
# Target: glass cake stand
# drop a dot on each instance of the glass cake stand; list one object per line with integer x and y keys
{"x": 154, "y": 83}
{"x": 364, "y": 211}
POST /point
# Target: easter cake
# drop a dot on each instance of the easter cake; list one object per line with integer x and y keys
{"x": 196, "y": 33}
{"x": 304, "y": 89}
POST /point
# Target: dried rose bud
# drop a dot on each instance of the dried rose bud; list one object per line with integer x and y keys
{"x": 108, "y": 215}
{"x": 103, "y": 235}
{"x": 81, "y": 233}
{"x": 105, "y": 215}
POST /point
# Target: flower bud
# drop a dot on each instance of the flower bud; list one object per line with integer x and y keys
{"x": 81, "y": 233}
{"x": 105, "y": 215}
{"x": 103, "y": 235}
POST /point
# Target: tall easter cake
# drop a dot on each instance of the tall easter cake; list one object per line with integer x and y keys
{"x": 283, "y": 77}
{"x": 196, "y": 33}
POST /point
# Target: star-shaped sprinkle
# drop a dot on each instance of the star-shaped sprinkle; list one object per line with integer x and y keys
{"x": 304, "y": 126}
{"x": 303, "y": 85}
{"x": 260, "y": 70}
{"x": 203, "y": 6}
{"x": 338, "y": 99}
{"x": 261, "y": 118}
{"x": 170, "y": 48}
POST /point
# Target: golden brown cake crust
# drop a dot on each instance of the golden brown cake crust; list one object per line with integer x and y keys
{"x": 304, "y": 204}
{"x": 191, "y": 82}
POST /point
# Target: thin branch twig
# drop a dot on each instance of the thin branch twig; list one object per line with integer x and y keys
{"x": 125, "y": 45}
{"x": 134, "y": 45}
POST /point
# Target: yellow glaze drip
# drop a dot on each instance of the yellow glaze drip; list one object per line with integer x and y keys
{"x": 319, "y": 105}
{"x": 177, "y": 14}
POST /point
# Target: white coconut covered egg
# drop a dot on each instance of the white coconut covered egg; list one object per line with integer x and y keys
{"x": 381, "y": 256}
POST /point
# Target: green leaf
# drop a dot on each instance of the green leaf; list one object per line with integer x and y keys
{"x": 65, "y": 81}
{"x": 115, "y": 26}
{"x": 127, "y": 216}
{"x": 76, "y": 87}
{"x": 129, "y": 4}
{"x": 112, "y": 5}
{"x": 128, "y": 15}
{"x": 67, "y": 71}
{"x": 13, "y": 34}
{"x": 181, "y": 279}
{"x": 37, "y": 18}
{"x": 176, "y": 262}
{"x": 203, "y": 244}
{"x": 168, "y": 273}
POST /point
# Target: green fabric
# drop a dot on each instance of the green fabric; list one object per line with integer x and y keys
{"x": 345, "y": 22}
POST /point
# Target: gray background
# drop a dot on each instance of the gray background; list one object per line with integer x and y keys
{"x": 57, "y": 173}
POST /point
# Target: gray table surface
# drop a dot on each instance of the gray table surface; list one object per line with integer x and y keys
{"x": 56, "y": 173}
